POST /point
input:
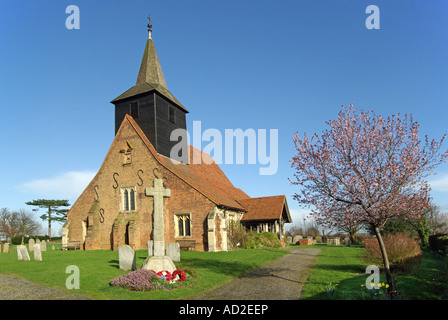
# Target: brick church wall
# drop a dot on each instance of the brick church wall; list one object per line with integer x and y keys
{"x": 106, "y": 226}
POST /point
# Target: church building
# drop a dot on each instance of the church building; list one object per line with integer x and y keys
{"x": 116, "y": 208}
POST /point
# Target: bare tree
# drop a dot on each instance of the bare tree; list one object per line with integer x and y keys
{"x": 17, "y": 223}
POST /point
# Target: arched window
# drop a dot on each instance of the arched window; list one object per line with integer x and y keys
{"x": 128, "y": 199}
{"x": 180, "y": 223}
{"x": 132, "y": 200}
{"x": 183, "y": 225}
{"x": 187, "y": 226}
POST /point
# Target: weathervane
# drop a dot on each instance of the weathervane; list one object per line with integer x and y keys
{"x": 149, "y": 26}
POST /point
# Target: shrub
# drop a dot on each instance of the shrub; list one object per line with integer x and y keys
{"x": 18, "y": 239}
{"x": 404, "y": 252}
{"x": 138, "y": 280}
{"x": 439, "y": 243}
{"x": 239, "y": 237}
{"x": 144, "y": 280}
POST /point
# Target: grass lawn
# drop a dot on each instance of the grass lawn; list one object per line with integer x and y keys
{"x": 98, "y": 267}
{"x": 339, "y": 272}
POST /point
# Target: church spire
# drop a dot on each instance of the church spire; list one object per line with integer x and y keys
{"x": 150, "y": 76}
{"x": 150, "y": 69}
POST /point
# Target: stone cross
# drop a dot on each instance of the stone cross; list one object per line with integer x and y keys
{"x": 158, "y": 262}
{"x": 158, "y": 192}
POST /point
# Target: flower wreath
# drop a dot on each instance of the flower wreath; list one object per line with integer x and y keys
{"x": 166, "y": 275}
{"x": 180, "y": 273}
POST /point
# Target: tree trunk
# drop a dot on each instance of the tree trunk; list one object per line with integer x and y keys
{"x": 385, "y": 259}
{"x": 49, "y": 223}
{"x": 352, "y": 237}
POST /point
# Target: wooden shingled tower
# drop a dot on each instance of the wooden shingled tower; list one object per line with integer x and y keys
{"x": 150, "y": 103}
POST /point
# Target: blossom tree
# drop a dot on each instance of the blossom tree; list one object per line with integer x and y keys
{"x": 366, "y": 169}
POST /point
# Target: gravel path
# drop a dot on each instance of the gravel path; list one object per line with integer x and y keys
{"x": 12, "y": 288}
{"x": 282, "y": 279}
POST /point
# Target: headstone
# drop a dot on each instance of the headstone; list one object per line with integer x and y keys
{"x": 5, "y": 248}
{"x": 1, "y": 247}
{"x": 173, "y": 251}
{"x": 158, "y": 262}
{"x": 53, "y": 247}
{"x": 19, "y": 253}
{"x": 333, "y": 242}
{"x": 23, "y": 253}
{"x": 296, "y": 239}
{"x": 38, "y": 241}
{"x": 37, "y": 253}
{"x": 43, "y": 245}
{"x": 31, "y": 244}
{"x": 318, "y": 239}
{"x": 65, "y": 229}
{"x": 126, "y": 258}
{"x": 310, "y": 237}
{"x": 150, "y": 248}
{"x": 288, "y": 239}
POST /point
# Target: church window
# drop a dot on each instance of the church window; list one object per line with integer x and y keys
{"x": 171, "y": 114}
{"x": 134, "y": 109}
{"x": 128, "y": 198}
{"x": 183, "y": 225}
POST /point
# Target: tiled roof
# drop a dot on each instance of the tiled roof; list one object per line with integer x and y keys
{"x": 265, "y": 208}
{"x": 208, "y": 178}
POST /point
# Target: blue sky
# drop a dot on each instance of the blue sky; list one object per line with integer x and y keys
{"x": 286, "y": 65}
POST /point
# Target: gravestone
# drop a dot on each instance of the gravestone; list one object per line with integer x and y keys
{"x": 333, "y": 242}
{"x": 126, "y": 258}
{"x": 19, "y": 254}
{"x": 318, "y": 239}
{"x": 150, "y": 248}
{"x": 43, "y": 245}
{"x": 173, "y": 251}
{"x": 38, "y": 241}
{"x": 23, "y": 253}
{"x": 309, "y": 238}
{"x": 288, "y": 239}
{"x": 297, "y": 239}
{"x": 37, "y": 253}
{"x": 5, "y": 248}
{"x": 158, "y": 262}
{"x": 53, "y": 247}
{"x": 1, "y": 247}
{"x": 31, "y": 244}
{"x": 346, "y": 241}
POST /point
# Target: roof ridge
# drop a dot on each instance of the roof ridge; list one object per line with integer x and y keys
{"x": 161, "y": 160}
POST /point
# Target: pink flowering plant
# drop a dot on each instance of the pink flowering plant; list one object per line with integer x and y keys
{"x": 365, "y": 169}
{"x": 144, "y": 280}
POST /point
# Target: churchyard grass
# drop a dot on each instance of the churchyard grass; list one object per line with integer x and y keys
{"x": 98, "y": 267}
{"x": 339, "y": 272}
